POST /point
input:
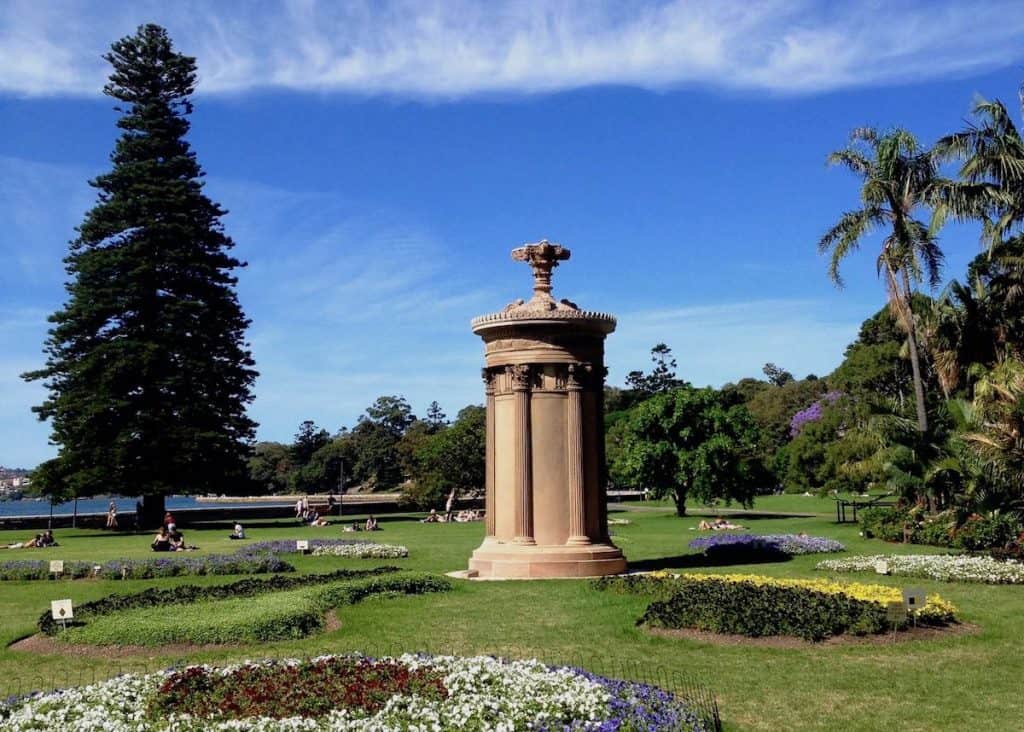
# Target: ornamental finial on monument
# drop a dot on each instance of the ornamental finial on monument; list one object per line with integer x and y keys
{"x": 543, "y": 257}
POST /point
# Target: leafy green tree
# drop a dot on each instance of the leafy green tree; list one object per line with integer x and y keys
{"x": 376, "y": 460}
{"x": 147, "y": 368}
{"x": 452, "y": 459}
{"x": 662, "y": 377}
{"x": 436, "y": 419}
{"x": 777, "y": 375}
{"x": 270, "y": 466}
{"x": 393, "y": 413}
{"x": 898, "y": 178}
{"x": 308, "y": 439}
{"x": 690, "y": 442}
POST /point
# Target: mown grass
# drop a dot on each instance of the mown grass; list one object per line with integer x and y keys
{"x": 961, "y": 681}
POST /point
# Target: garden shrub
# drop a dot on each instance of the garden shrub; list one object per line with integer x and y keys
{"x": 813, "y": 609}
{"x": 188, "y": 594}
{"x": 885, "y": 523}
{"x": 744, "y": 608}
{"x": 986, "y": 532}
{"x": 976, "y": 533}
{"x": 270, "y": 616}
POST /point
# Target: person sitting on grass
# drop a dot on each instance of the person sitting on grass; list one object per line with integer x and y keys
{"x": 162, "y": 541}
{"x": 177, "y": 540}
{"x": 46, "y": 539}
{"x": 238, "y": 533}
{"x": 371, "y": 524}
{"x": 432, "y": 517}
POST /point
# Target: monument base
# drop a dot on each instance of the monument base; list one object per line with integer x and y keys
{"x": 495, "y": 560}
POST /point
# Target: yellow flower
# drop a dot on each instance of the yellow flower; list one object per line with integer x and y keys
{"x": 934, "y": 606}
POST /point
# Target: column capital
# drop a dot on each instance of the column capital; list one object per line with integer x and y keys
{"x": 521, "y": 375}
{"x": 577, "y": 376}
{"x": 488, "y": 378}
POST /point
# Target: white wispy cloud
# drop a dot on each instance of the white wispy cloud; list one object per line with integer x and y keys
{"x": 457, "y": 48}
{"x": 721, "y": 342}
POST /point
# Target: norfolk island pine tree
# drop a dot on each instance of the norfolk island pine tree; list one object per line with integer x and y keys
{"x": 147, "y": 371}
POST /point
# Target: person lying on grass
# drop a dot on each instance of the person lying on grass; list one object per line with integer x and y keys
{"x": 29, "y": 544}
{"x": 719, "y": 524}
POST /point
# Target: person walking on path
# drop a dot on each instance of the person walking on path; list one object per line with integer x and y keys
{"x": 112, "y": 516}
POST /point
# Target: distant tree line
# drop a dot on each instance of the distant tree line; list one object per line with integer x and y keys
{"x": 389, "y": 448}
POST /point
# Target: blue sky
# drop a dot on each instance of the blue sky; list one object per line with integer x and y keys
{"x": 379, "y": 161}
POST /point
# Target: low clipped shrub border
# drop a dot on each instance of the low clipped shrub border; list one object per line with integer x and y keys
{"x": 783, "y": 546}
{"x": 159, "y": 567}
{"x": 186, "y": 594}
{"x": 356, "y": 693}
{"x": 271, "y": 616}
{"x": 757, "y": 606}
{"x": 941, "y": 567}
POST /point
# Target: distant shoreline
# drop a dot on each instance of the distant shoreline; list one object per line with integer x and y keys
{"x": 293, "y": 497}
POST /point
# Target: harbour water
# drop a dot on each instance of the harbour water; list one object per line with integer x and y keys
{"x": 31, "y": 507}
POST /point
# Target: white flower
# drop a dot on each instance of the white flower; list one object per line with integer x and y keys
{"x": 941, "y": 567}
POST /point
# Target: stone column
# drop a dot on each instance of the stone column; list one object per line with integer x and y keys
{"x": 489, "y": 507}
{"x": 523, "y": 464}
{"x": 574, "y": 456}
{"x": 602, "y": 481}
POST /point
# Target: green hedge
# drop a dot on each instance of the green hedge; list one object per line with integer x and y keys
{"x": 992, "y": 530}
{"x": 743, "y": 608}
{"x": 188, "y": 594}
{"x": 268, "y": 617}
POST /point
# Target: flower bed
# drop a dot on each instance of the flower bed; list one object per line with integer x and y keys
{"x": 356, "y": 693}
{"x": 941, "y": 567}
{"x": 187, "y": 594}
{"x": 166, "y": 566}
{"x": 738, "y": 545}
{"x": 329, "y": 547}
{"x": 756, "y": 606}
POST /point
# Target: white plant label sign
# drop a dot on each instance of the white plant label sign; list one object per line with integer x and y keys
{"x": 302, "y": 545}
{"x": 913, "y": 598}
{"x": 882, "y": 567}
{"x": 56, "y": 566}
{"x": 61, "y": 609}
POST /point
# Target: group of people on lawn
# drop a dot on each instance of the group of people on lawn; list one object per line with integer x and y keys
{"x": 39, "y": 541}
{"x": 168, "y": 538}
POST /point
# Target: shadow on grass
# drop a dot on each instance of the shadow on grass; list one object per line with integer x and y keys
{"x": 700, "y": 561}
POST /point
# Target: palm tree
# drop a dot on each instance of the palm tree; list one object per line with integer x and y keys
{"x": 999, "y": 440}
{"x": 991, "y": 185}
{"x": 898, "y": 178}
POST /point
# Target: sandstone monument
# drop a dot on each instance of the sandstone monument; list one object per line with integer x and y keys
{"x": 544, "y": 382}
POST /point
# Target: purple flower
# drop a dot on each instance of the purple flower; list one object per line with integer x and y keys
{"x": 790, "y": 544}
{"x": 812, "y": 413}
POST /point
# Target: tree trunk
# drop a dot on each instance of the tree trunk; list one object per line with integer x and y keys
{"x": 915, "y": 365}
{"x": 152, "y": 512}
{"x": 679, "y": 495}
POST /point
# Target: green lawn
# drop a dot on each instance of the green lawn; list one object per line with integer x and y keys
{"x": 964, "y": 681}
